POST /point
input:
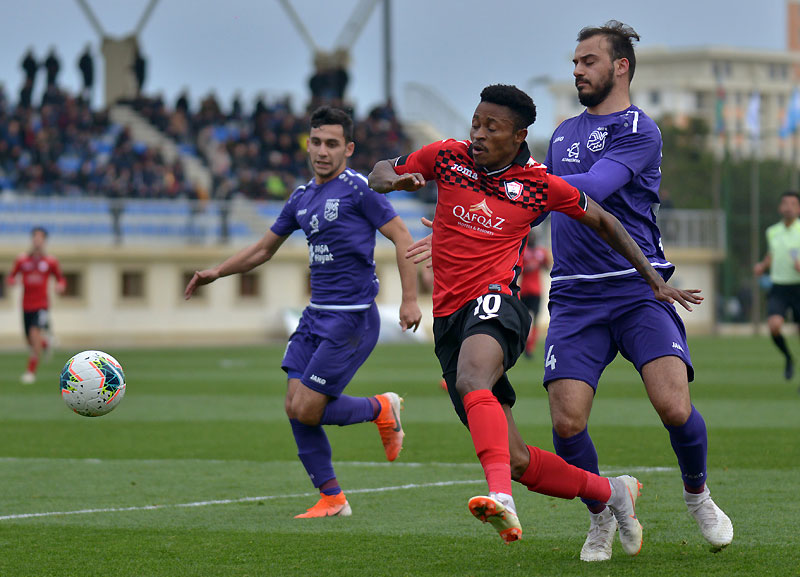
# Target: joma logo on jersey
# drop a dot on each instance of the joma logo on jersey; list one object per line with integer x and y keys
{"x": 468, "y": 172}
{"x": 479, "y": 213}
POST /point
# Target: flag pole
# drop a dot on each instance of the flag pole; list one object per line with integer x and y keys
{"x": 754, "y": 127}
{"x": 755, "y": 252}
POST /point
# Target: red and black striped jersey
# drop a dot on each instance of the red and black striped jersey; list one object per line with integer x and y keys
{"x": 483, "y": 218}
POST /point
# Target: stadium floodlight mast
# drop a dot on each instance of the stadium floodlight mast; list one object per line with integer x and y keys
{"x": 340, "y": 53}
{"x": 118, "y": 53}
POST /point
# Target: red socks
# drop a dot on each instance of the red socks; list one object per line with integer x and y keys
{"x": 549, "y": 474}
{"x": 32, "y": 363}
{"x": 489, "y": 430}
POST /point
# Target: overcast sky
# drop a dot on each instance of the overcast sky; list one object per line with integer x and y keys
{"x": 455, "y": 47}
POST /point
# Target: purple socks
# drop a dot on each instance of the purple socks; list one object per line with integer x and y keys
{"x": 349, "y": 410}
{"x": 690, "y": 443}
{"x": 314, "y": 451}
{"x": 579, "y": 450}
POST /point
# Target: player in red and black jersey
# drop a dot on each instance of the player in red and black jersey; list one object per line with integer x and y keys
{"x": 35, "y": 268}
{"x": 490, "y": 194}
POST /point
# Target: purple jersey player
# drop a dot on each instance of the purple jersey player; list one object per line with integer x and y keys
{"x": 599, "y": 306}
{"x": 339, "y": 215}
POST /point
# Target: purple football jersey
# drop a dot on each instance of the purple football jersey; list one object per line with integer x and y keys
{"x": 339, "y": 219}
{"x": 631, "y": 138}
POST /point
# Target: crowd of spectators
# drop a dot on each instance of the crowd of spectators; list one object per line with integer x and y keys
{"x": 63, "y": 147}
{"x": 261, "y": 153}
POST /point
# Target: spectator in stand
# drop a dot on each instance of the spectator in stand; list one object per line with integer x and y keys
{"x": 29, "y": 66}
{"x": 139, "y": 70}
{"x": 52, "y": 66}
{"x": 86, "y": 66}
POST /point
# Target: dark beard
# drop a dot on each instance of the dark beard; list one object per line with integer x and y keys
{"x": 590, "y": 100}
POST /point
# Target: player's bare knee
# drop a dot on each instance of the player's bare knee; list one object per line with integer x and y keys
{"x": 307, "y": 415}
{"x": 566, "y": 427}
{"x": 675, "y": 415}
{"x": 467, "y": 383}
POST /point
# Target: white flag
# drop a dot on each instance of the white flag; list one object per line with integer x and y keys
{"x": 753, "y": 117}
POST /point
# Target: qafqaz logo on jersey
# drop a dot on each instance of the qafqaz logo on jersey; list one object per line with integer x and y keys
{"x": 479, "y": 214}
{"x": 314, "y": 224}
{"x": 597, "y": 140}
{"x": 331, "y": 209}
{"x": 513, "y": 189}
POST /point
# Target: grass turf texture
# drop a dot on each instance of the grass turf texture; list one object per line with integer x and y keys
{"x": 201, "y": 425}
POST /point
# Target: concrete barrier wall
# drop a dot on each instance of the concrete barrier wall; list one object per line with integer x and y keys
{"x": 100, "y": 315}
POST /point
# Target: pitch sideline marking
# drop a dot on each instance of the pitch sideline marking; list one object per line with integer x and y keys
{"x": 232, "y": 501}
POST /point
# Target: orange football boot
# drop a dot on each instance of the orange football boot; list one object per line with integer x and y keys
{"x": 389, "y": 426}
{"x": 328, "y": 506}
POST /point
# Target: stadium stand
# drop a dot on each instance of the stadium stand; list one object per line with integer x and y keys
{"x": 124, "y": 173}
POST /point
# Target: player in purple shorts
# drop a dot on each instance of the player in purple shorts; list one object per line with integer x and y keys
{"x": 599, "y": 306}
{"x": 339, "y": 214}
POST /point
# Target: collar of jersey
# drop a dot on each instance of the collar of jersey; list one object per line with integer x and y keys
{"x": 521, "y": 159}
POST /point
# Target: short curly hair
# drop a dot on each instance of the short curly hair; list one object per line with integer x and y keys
{"x": 513, "y": 98}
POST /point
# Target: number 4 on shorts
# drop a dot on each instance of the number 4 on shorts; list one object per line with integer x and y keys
{"x": 550, "y": 361}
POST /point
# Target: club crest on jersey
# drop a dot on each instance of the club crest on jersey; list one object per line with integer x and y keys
{"x": 331, "y": 209}
{"x": 597, "y": 140}
{"x": 513, "y": 189}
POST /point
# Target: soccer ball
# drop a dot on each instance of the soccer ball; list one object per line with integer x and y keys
{"x": 92, "y": 383}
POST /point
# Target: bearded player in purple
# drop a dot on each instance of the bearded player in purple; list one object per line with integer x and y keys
{"x": 339, "y": 215}
{"x": 599, "y": 306}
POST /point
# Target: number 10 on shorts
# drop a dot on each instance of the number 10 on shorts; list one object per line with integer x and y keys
{"x": 489, "y": 304}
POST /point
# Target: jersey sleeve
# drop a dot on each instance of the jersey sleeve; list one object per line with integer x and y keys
{"x": 422, "y": 161}
{"x": 376, "y": 207}
{"x": 565, "y": 198}
{"x": 286, "y": 223}
{"x": 14, "y": 270}
{"x": 634, "y": 150}
{"x": 55, "y": 268}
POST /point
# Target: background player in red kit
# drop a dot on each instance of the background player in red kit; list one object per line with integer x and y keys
{"x": 490, "y": 191}
{"x": 535, "y": 260}
{"x": 35, "y": 268}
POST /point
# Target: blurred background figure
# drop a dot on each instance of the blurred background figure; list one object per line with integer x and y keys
{"x": 35, "y": 267}
{"x": 783, "y": 263}
{"x": 535, "y": 261}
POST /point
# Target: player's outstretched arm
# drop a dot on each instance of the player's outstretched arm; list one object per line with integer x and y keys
{"x": 761, "y": 267}
{"x": 397, "y": 232}
{"x": 243, "y": 261}
{"x": 384, "y": 179}
{"x": 611, "y": 230}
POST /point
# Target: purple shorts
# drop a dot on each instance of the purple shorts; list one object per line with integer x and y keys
{"x": 328, "y": 347}
{"x": 591, "y": 321}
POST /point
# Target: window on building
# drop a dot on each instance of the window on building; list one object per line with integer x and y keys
{"x": 132, "y": 284}
{"x": 655, "y": 98}
{"x": 74, "y": 284}
{"x": 701, "y": 100}
{"x": 249, "y": 285}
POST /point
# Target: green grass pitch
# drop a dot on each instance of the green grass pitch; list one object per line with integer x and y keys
{"x": 195, "y": 473}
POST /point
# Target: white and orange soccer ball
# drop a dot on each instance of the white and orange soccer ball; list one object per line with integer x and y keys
{"x": 92, "y": 383}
